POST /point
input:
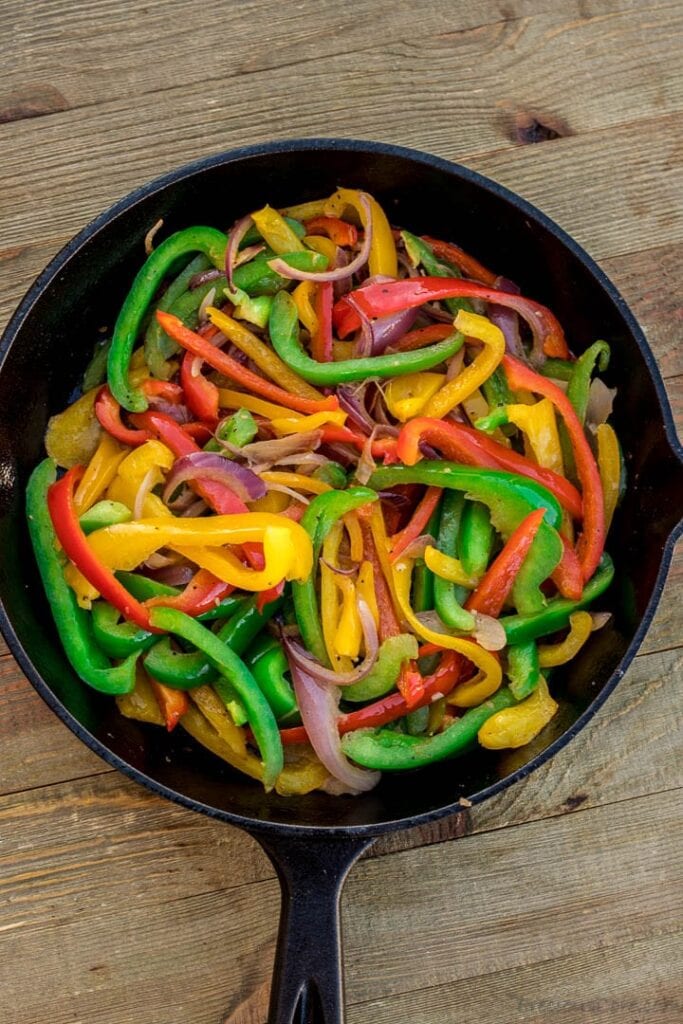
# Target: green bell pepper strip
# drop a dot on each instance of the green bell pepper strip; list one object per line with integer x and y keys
{"x": 419, "y": 252}
{"x": 496, "y": 390}
{"x": 118, "y": 639}
{"x": 523, "y": 669}
{"x": 104, "y": 513}
{"x": 207, "y": 240}
{"x": 186, "y": 308}
{"x": 448, "y": 597}
{"x": 284, "y": 335}
{"x": 184, "y": 671}
{"x": 96, "y": 370}
{"x": 143, "y": 588}
{"x": 333, "y": 474}
{"x": 558, "y": 369}
{"x": 232, "y": 669}
{"x": 382, "y": 677}
{"x": 318, "y": 519}
{"x": 509, "y": 498}
{"x": 555, "y": 616}
{"x": 597, "y": 355}
{"x": 394, "y": 751}
{"x": 253, "y": 235}
{"x": 257, "y": 278}
{"x": 158, "y": 346}
{"x": 268, "y": 664}
{"x": 475, "y": 540}
{"x": 72, "y": 622}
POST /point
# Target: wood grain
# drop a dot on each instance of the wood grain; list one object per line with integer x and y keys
{"x": 561, "y": 899}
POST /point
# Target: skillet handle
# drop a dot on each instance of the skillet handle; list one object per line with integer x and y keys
{"x": 307, "y": 983}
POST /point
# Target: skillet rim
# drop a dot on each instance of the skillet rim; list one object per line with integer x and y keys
{"x": 282, "y": 147}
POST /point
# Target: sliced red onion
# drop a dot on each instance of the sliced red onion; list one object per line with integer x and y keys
{"x": 211, "y": 466}
{"x": 179, "y": 413}
{"x": 207, "y": 301}
{"x": 337, "y": 273}
{"x": 204, "y": 276}
{"x": 337, "y": 568}
{"x": 282, "y": 489}
{"x": 158, "y": 561}
{"x": 488, "y": 632}
{"x": 600, "y": 619}
{"x": 247, "y": 254}
{"x": 366, "y": 464}
{"x": 600, "y": 403}
{"x": 507, "y": 319}
{"x": 267, "y": 453}
{"x": 319, "y": 706}
{"x": 417, "y": 547}
{"x": 327, "y": 676}
{"x": 363, "y": 340}
{"x": 197, "y": 508}
{"x": 175, "y": 575}
{"x": 388, "y": 329}
{"x": 237, "y": 233}
{"x": 455, "y": 364}
{"x": 341, "y": 287}
{"x": 350, "y": 401}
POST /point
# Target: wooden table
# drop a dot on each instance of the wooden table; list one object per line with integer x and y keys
{"x": 559, "y": 901}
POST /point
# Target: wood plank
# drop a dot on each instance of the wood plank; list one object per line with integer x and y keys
{"x": 622, "y": 984}
{"x": 595, "y": 879}
{"x": 65, "y": 168}
{"x": 126, "y": 837}
{"x": 71, "y": 57}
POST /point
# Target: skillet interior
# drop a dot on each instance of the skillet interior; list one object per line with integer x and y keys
{"x": 47, "y": 347}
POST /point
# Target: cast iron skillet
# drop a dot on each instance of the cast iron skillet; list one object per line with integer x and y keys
{"x": 314, "y": 840}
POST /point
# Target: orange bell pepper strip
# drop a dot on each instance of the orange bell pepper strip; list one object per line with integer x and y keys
{"x": 224, "y": 363}
{"x": 422, "y": 336}
{"x": 340, "y": 231}
{"x": 467, "y": 264}
{"x": 202, "y": 593}
{"x": 172, "y": 703}
{"x": 592, "y": 540}
{"x": 496, "y": 583}
{"x": 469, "y": 446}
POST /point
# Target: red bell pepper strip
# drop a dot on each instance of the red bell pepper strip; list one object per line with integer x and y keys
{"x": 225, "y": 364}
{"x": 338, "y": 230}
{"x": 201, "y": 394}
{"x": 388, "y": 621}
{"x": 496, "y": 583}
{"x": 108, "y": 412}
{"x": 469, "y": 446}
{"x": 410, "y": 684}
{"x": 385, "y": 298}
{"x": 321, "y": 341}
{"x": 394, "y": 705}
{"x": 217, "y": 495}
{"x": 60, "y": 503}
{"x": 162, "y": 389}
{"x": 592, "y": 540}
{"x": 202, "y": 593}
{"x": 422, "y": 336}
{"x": 467, "y": 264}
{"x": 568, "y": 575}
{"x": 331, "y": 434}
{"x": 172, "y": 703}
{"x": 417, "y": 524}
{"x": 199, "y": 432}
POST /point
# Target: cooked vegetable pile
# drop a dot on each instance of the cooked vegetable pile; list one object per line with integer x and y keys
{"x": 340, "y": 505}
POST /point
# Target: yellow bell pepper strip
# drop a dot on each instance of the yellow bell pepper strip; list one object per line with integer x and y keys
{"x": 222, "y": 362}
{"x": 126, "y": 545}
{"x": 609, "y": 466}
{"x": 580, "y": 627}
{"x": 355, "y": 536}
{"x": 231, "y": 668}
{"x": 261, "y": 354}
{"x": 281, "y": 561}
{"x": 216, "y": 713}
{"x": 383, "y": 259}
{"x": 306, "y": 211}
{"x": 304, "y": 298}
{"x": 349, "y": 633}
{"x": 228, "y": 399}
{"x": 365, "y": 587}
{"x": 72, "y": 437}
{"x": 140, "y": 703}
{"x": 538, "y": 423}
{"x": 406, "y": 397}
{"x": 99, "y": 473}
{"x": 146, "y": 464}
{"x": 325, "y": 246}
{"x": 448, "y": 568}
{"x": 329, "y": 598}
{"x": 490, "y": 673}
{"x": 302, "y": 424}
{"x": 275, "y": 231}
{"x": 468, "y": 380}
{"x": 298, "y": 481}
{"x": 516, "y": 726}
